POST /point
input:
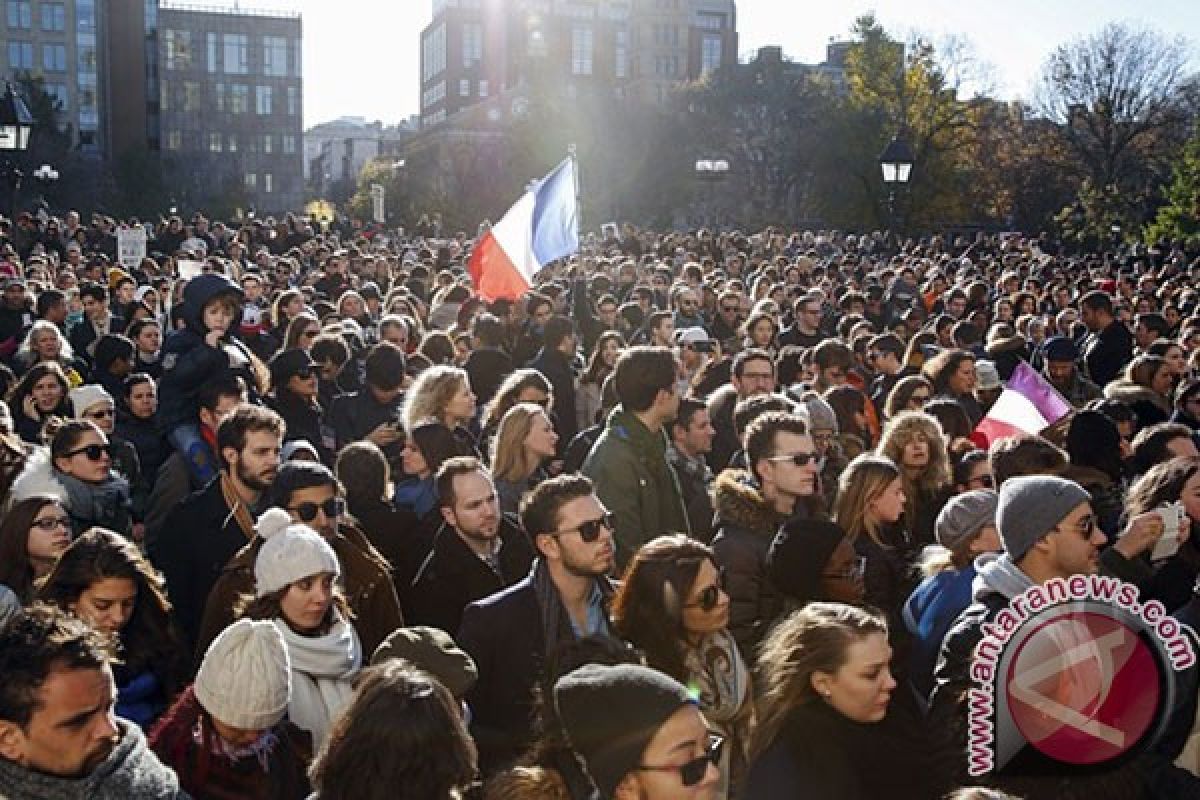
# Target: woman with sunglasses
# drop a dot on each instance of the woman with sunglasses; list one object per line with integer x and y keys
{"x": 293, "y": 396}
{"x": 827, "y": 726}
{"x": 77, "y": 469}
{"x": 672, "y": 605}
{"x": 103, "y": 579}
{"x": 301, "y": 331}
{"x": 295, "y": 586}
{"x": 33, "y": 535}
{"x": 910, "y": 393}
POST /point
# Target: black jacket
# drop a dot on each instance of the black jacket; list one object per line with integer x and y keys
{"x": 395, "y": 533}
{"x": 152, "y": 448}
{"x": 486, "y": 369}
{"x": 192, "y": 548}
{"x": 352, "y": 416}
{"x": 451, "y": 577}
{"x": 557, "y": 369}
{"x": 303, "y": 421}
{"x": 1107, "y": 352}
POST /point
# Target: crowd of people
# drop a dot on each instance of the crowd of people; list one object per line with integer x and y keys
{"x": 293, "y": 512}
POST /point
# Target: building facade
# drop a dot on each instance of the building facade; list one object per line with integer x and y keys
{"x": 335, "y": 152}
{"x": 636, "y": 49}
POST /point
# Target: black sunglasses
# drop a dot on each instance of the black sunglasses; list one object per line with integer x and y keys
{"x": 711, "y": 595}
{"x": 693, "y": 771}
{"x": 589, "y": 530}
{"x": 307, "y": 512}
{"x": 799, "y": 459}
{"x": 986, "y": 481}
{"x": 94, "y": 452}
{"x": 304, "y": 373}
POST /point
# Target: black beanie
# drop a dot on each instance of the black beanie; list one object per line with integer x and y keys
{"x": 611, "y": 713}
{"x": 798, "y": 556}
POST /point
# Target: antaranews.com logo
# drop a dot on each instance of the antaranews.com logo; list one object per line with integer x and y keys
{"x": 1078, "y": 668}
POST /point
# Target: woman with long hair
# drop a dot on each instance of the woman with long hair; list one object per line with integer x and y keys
{"x": 288, "y": 305}
{"x": 441, "y": 394}
{"x": 77, "y": 469}
{"x": 673, "y": 607}
{"x": 760, "y": 331}
{"x": 524, "y": 442}
{"x": 588, "y": 400}
{"x": 402, "y": 730}
{"x": 952, "y": 373}
{"x": 33, "y": 534}
{"x": 301, "y": 330}
{"x": 910, "y": 393}
{"x": 850, "y": 407}
{"x": 914, "y": 442}
{"x": 295, "y": 587}
{"x": 1145, "y": 387}
{"x": 1175, "y": 480}
{"x": 293, "y": 396}
{"x": 825, "y": 703}
{"x": 426, "y": 447}
{"x": 45, "y": 342}
{"x": 522, "y": 386}
{"x": 870, "y": 505}
{"x": 40, "y": 395}
{"x": 103, "y": 579}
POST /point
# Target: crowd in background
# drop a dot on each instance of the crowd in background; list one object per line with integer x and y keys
{"x": 291, "y": 509}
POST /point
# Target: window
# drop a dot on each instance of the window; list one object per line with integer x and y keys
{"x": 289, "y": 144}
{"x": 293, "y": 101}
{"x": 275, "y": 63}
{"x": 210, "y": 41}
{"x": 191, "y": 96}
{"x": 251, "y": 180}
{"x": 262, "y": 99}
{"x": 20, "y": 55}
{"x": 710, "y": 52}
{"x": 178, "y": 46}
{"x": 219, "y": 91}
{"x": 239, "y": 98}
{"x": 433, "y": 53}
{"x": 621, "y": 54}
{"x": 483, "y": 88}
{"x": 232, "y": 143}
{"x": 268, "y": 143}
{"x": 54, "y": 16}
{"x": 297, "y": 61}
{"x": 236, "y": 53}
{"x": 472, "y": 44}
{"x": 20, "y": 14}
{"x": 710, "y": 20}
{"x": 581, "y": 51}
{"x": 268, "y": 182}
{"x": 58, "y": 92}
{"x": 464, "y": 88}
{"x": 174, "y": 140}
{"x": 215, "y": 142}
{"x": 164, "y": 95}
{"x": 54, "y": 57}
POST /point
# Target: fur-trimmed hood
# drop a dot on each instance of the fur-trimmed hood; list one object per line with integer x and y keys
{"x": 738, "y": 501}
{"x": 37, "y": 478}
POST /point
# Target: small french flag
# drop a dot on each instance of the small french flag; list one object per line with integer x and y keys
{"x": 543, "y": 225}
{"x": 1027, "y": 406}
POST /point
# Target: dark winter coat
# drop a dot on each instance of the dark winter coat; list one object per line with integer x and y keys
{"x": 144, "y": 435}
{"x": 1106, "y": 353}
{"x": 557, "y": 369}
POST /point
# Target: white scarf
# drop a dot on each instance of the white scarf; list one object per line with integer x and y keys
{"x": 323, "y": 668}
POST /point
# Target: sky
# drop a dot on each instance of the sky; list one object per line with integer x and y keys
{"x": 361, "y": 56}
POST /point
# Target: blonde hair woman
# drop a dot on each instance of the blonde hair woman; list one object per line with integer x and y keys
{"x": 441, "y": 393}
{"x": 914, "y": 442}
{"x": 524, "y": 440}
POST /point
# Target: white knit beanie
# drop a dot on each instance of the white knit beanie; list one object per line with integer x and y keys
{"x": 290, "y": 552}
{"x": 85, "y": 396}
{"x": 245, "y": 678}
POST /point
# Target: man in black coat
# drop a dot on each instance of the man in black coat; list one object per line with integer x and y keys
{"x": 15, "y": 317}
{"x": 208, "y": 528}
{"x": 1109, "y": 346}
{"x": 514, "y": 636}
{"x": 97, "y": 321}
{"x": 476, "y": 552}
{"x": 554, "y": 361}
{"x": 372, "y": 412}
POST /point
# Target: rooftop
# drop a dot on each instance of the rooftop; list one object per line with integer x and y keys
{"x": 234, "y": 10}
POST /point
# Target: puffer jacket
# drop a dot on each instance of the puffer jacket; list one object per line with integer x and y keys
{"x": 746, "y": 524}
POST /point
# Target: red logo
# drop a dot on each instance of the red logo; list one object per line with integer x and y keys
{"x": 1083, "y": 688}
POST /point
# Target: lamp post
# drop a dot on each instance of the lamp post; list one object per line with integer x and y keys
{"x": 16, "y": 125}
{"x": 896, "y": 161}
{"x": 46, "y": 176}
{"x": 712, "y": 170}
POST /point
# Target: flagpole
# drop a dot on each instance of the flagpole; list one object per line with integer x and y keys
{"x": 571, "y": 154}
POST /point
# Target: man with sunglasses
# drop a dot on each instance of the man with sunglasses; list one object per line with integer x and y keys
{"x": 514, "y": 636}
{"x": 1048, "y": 530}
{"x": 311, "y": 494}
{"x": 639, "y": 732}
{"x": 751, "y": 505}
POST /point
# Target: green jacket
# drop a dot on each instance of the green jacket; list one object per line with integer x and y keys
{"x": 635, "y": 482}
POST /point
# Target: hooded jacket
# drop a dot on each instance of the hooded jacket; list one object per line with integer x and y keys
{"x": 746, "y": 525}
{"x": 189, "y": 363}
{"x": 131, "y": 772}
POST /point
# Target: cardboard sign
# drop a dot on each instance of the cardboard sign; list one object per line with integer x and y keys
{"x": 131, "y": 246}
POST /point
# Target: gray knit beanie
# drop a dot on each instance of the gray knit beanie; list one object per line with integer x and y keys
{"x": 821, "y": 416}
{"x": 964, "y": 516}
{"x": 1030, "y": 506}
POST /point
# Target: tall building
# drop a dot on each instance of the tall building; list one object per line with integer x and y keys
{"x": 474, "y": 49}
{"x": 60, "y": 40}
{"x": 229, "y": 104}
{"x": 335, "y": 152}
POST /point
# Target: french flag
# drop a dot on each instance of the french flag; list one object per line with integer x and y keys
{"x": 542, "y": 226}
{"x": 1027, "y": 406}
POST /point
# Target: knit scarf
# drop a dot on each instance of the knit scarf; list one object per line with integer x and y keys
{"x": 89, "y": 502}
{"x": 323, "y": 668}
{"x": 237, "y": 509}
{"x": 556, "y": 622}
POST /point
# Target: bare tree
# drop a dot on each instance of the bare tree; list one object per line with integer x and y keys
{"x": 1120, "y": 97}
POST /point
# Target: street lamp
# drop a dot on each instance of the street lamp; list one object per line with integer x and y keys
{"x": 16, "y": 125}
{"x": 46, "y": 176}
{"x": 712, "y": 170}
{"x": 896, "y": 161}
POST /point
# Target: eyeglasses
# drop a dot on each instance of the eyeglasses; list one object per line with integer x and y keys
{"x": 854, "y": 572}
{"x": 307, "y": 512}
{"x": 729, "y": 309}
{"x": 304, "y": 373}
{"x": 919, "y": 398}
{"x": 986, "y": 481}
{"x": 1083, "y": 528}
{"x": 711, "y": 595}
{"x": 101, "y": 414}
{"x": 50, "y": 523}
{"x": 693, "y": 771}
{"x": 589, "y": 530}
{"x": 799, "y": 459}
{"x": 94, "y": 452}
